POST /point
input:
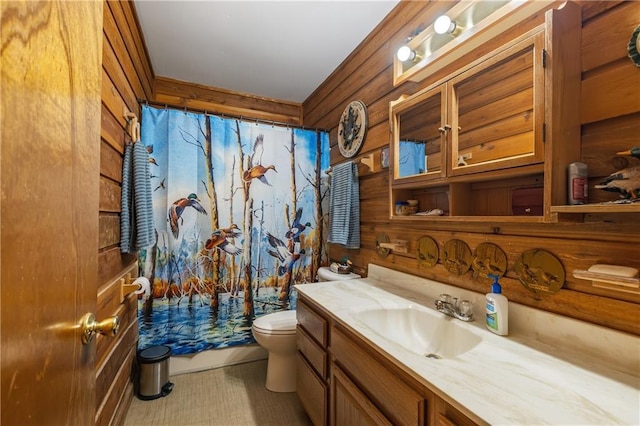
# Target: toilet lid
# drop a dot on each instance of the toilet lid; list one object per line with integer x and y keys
{"x": 283, "y": 322}
{"x": 326, "y": 274}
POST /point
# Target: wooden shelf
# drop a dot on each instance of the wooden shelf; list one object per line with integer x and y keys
{"x": 475, "y": 219}
{"x": 597, "y": 208}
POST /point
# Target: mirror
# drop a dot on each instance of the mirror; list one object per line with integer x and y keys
{"x": 417, "y": 135}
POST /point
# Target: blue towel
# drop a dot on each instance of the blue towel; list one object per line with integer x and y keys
{"x": 136, "y": 217}
{"x": 344, "y": 206}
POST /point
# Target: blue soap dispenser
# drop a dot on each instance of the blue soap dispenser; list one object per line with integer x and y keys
{"x": 497, "y": 307}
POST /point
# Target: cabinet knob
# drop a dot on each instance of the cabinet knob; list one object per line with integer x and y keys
{"x": 444, "y": 128}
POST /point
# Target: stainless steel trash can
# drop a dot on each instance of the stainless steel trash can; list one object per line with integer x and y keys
{"x": 154, "y": 372}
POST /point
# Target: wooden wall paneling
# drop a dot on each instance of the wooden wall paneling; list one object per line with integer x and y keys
{"x": 131, "y": 15}
{"x": 602, "y": 140}
{"x": 126, "y": 77}
{"x": 381, "y": 44}
{"x": 110, "y": 195}
{"x": 131, "y": 55}
{"x": 110, "y": 162}
{"x": 109, "y": 230}
{"x": 115, "y": 47}
{"x": 111, "y": 404}
{"x": 111, "y": 131}
{"x": 613, "y": 92}
{"x": 592, "y": 8}
{"x": 119, "y": 78}
{"x": 599, "y": 32}
{"x": 111, "y": 262}
{"x": 112, "y": 100}
{"x": 220, "y": 101}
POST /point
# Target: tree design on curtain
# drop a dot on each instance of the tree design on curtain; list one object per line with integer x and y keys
{"x": 239, "y": 217}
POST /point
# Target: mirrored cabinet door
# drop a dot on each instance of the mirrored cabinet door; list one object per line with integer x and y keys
{"x": 418, "y": 125}
{"x": 497, "y": 111}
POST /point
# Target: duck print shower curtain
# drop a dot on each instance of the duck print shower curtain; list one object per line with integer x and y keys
{"x": 238, "y": 213}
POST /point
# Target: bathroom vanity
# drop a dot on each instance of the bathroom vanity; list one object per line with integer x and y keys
{"x": 373, "y": 351}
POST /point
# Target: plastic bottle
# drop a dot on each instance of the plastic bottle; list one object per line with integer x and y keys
{"x": 577, "y": 174}
{"x": 497, "y": 307}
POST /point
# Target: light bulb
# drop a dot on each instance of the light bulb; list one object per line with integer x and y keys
{"x": 405, "y": 53}
{"x": 443, "y": 25}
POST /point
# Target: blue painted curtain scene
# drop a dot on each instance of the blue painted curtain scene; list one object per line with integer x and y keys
{"x": 239, "y": 218}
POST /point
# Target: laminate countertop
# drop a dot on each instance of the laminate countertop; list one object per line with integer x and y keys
{"x": 523, "y": 378}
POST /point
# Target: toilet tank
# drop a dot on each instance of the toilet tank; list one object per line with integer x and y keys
{"x": 325, "y": 274}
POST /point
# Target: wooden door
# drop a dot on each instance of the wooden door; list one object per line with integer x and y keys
{"x": 49, "y": 160}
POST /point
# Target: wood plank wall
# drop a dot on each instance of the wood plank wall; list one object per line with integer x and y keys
{"x": 198, "y": 97}
{"x": 126, "y": 77}
{"x": 611, "y": 122}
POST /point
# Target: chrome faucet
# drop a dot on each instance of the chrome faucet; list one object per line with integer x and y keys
{"x": 450, "y": 306}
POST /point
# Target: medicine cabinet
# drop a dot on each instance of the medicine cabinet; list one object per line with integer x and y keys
{"x": 491, "y": 141}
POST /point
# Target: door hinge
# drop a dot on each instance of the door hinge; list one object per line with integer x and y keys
{"x": 544, "y": 58}
{"x": 544, "y": 132}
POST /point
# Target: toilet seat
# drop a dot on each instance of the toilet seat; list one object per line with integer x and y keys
{"x": 279, "y": 323}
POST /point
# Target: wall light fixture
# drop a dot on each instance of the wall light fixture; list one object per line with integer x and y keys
{"x": 444, "y": 25}
{"x": 405, "y": 53}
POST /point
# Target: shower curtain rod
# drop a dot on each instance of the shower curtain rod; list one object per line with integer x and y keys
{"x": 205, "y": 112}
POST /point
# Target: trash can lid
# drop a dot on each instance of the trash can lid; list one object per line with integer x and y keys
{"x": 154, "y": 354}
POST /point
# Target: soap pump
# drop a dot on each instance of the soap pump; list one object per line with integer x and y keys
{"x": 497, "y": 307}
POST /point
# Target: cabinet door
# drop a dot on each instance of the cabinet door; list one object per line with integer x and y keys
{"x": 352, "y": 407}
{"x": 418, "y": 126}
{"x": 396, "y": 395}
{"x": 497, "y": 110}
{"x": 312, "y": 392}
{"x": 446, "y": 415}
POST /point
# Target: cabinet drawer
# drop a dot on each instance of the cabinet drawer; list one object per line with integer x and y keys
{"x": 399, "y": 402}
{"x": 311, "y": 391}
{"x": 315, "y": 355}
{"x": 312, "y": 323}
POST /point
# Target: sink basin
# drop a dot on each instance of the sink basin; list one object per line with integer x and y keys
{"x": 419, "y": 330}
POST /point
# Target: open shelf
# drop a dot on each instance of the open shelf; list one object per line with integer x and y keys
{"x": 597, "y": 208}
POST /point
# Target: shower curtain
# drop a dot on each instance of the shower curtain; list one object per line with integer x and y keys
{"x": 239, "y": 219}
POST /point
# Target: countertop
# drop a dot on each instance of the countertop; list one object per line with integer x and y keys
{"x": 511, "y": 379}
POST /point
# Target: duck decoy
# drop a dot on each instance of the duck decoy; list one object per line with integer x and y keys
{"x": 297, "y": 228}
{"x": 626, "y": 182}
{"x": 258, "y": 171}
{"x": 633, "y": 152}
{"x": 282, "y": 253}
{"x": 160, "y": 186}
{"x": 177, "y": 208}
{"x": 221, "y": 243}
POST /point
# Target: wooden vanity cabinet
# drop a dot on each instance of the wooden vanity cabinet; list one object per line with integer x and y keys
{"x": 312, "y": 364}
{"x": 344, "y": 380}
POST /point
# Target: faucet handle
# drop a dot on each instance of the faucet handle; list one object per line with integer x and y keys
{"x": 465, "y": 307}
{"x": 446, "y": 298}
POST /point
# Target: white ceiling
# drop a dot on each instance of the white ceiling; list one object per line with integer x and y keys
{"x": 276, "y": 49}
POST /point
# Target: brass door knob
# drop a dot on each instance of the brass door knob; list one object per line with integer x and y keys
{"x": 107, "y": 327}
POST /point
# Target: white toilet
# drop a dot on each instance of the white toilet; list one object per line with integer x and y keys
{"x": 276, "y": 333}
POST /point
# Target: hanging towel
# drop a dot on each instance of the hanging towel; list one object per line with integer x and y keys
{"x": 136, "y": 218}
{"x": 344, "y": 206}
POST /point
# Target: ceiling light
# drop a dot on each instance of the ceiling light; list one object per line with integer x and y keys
{"x": 444, "y": 25}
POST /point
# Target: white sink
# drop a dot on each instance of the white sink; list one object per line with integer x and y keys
{"x": 420, "y": 330}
